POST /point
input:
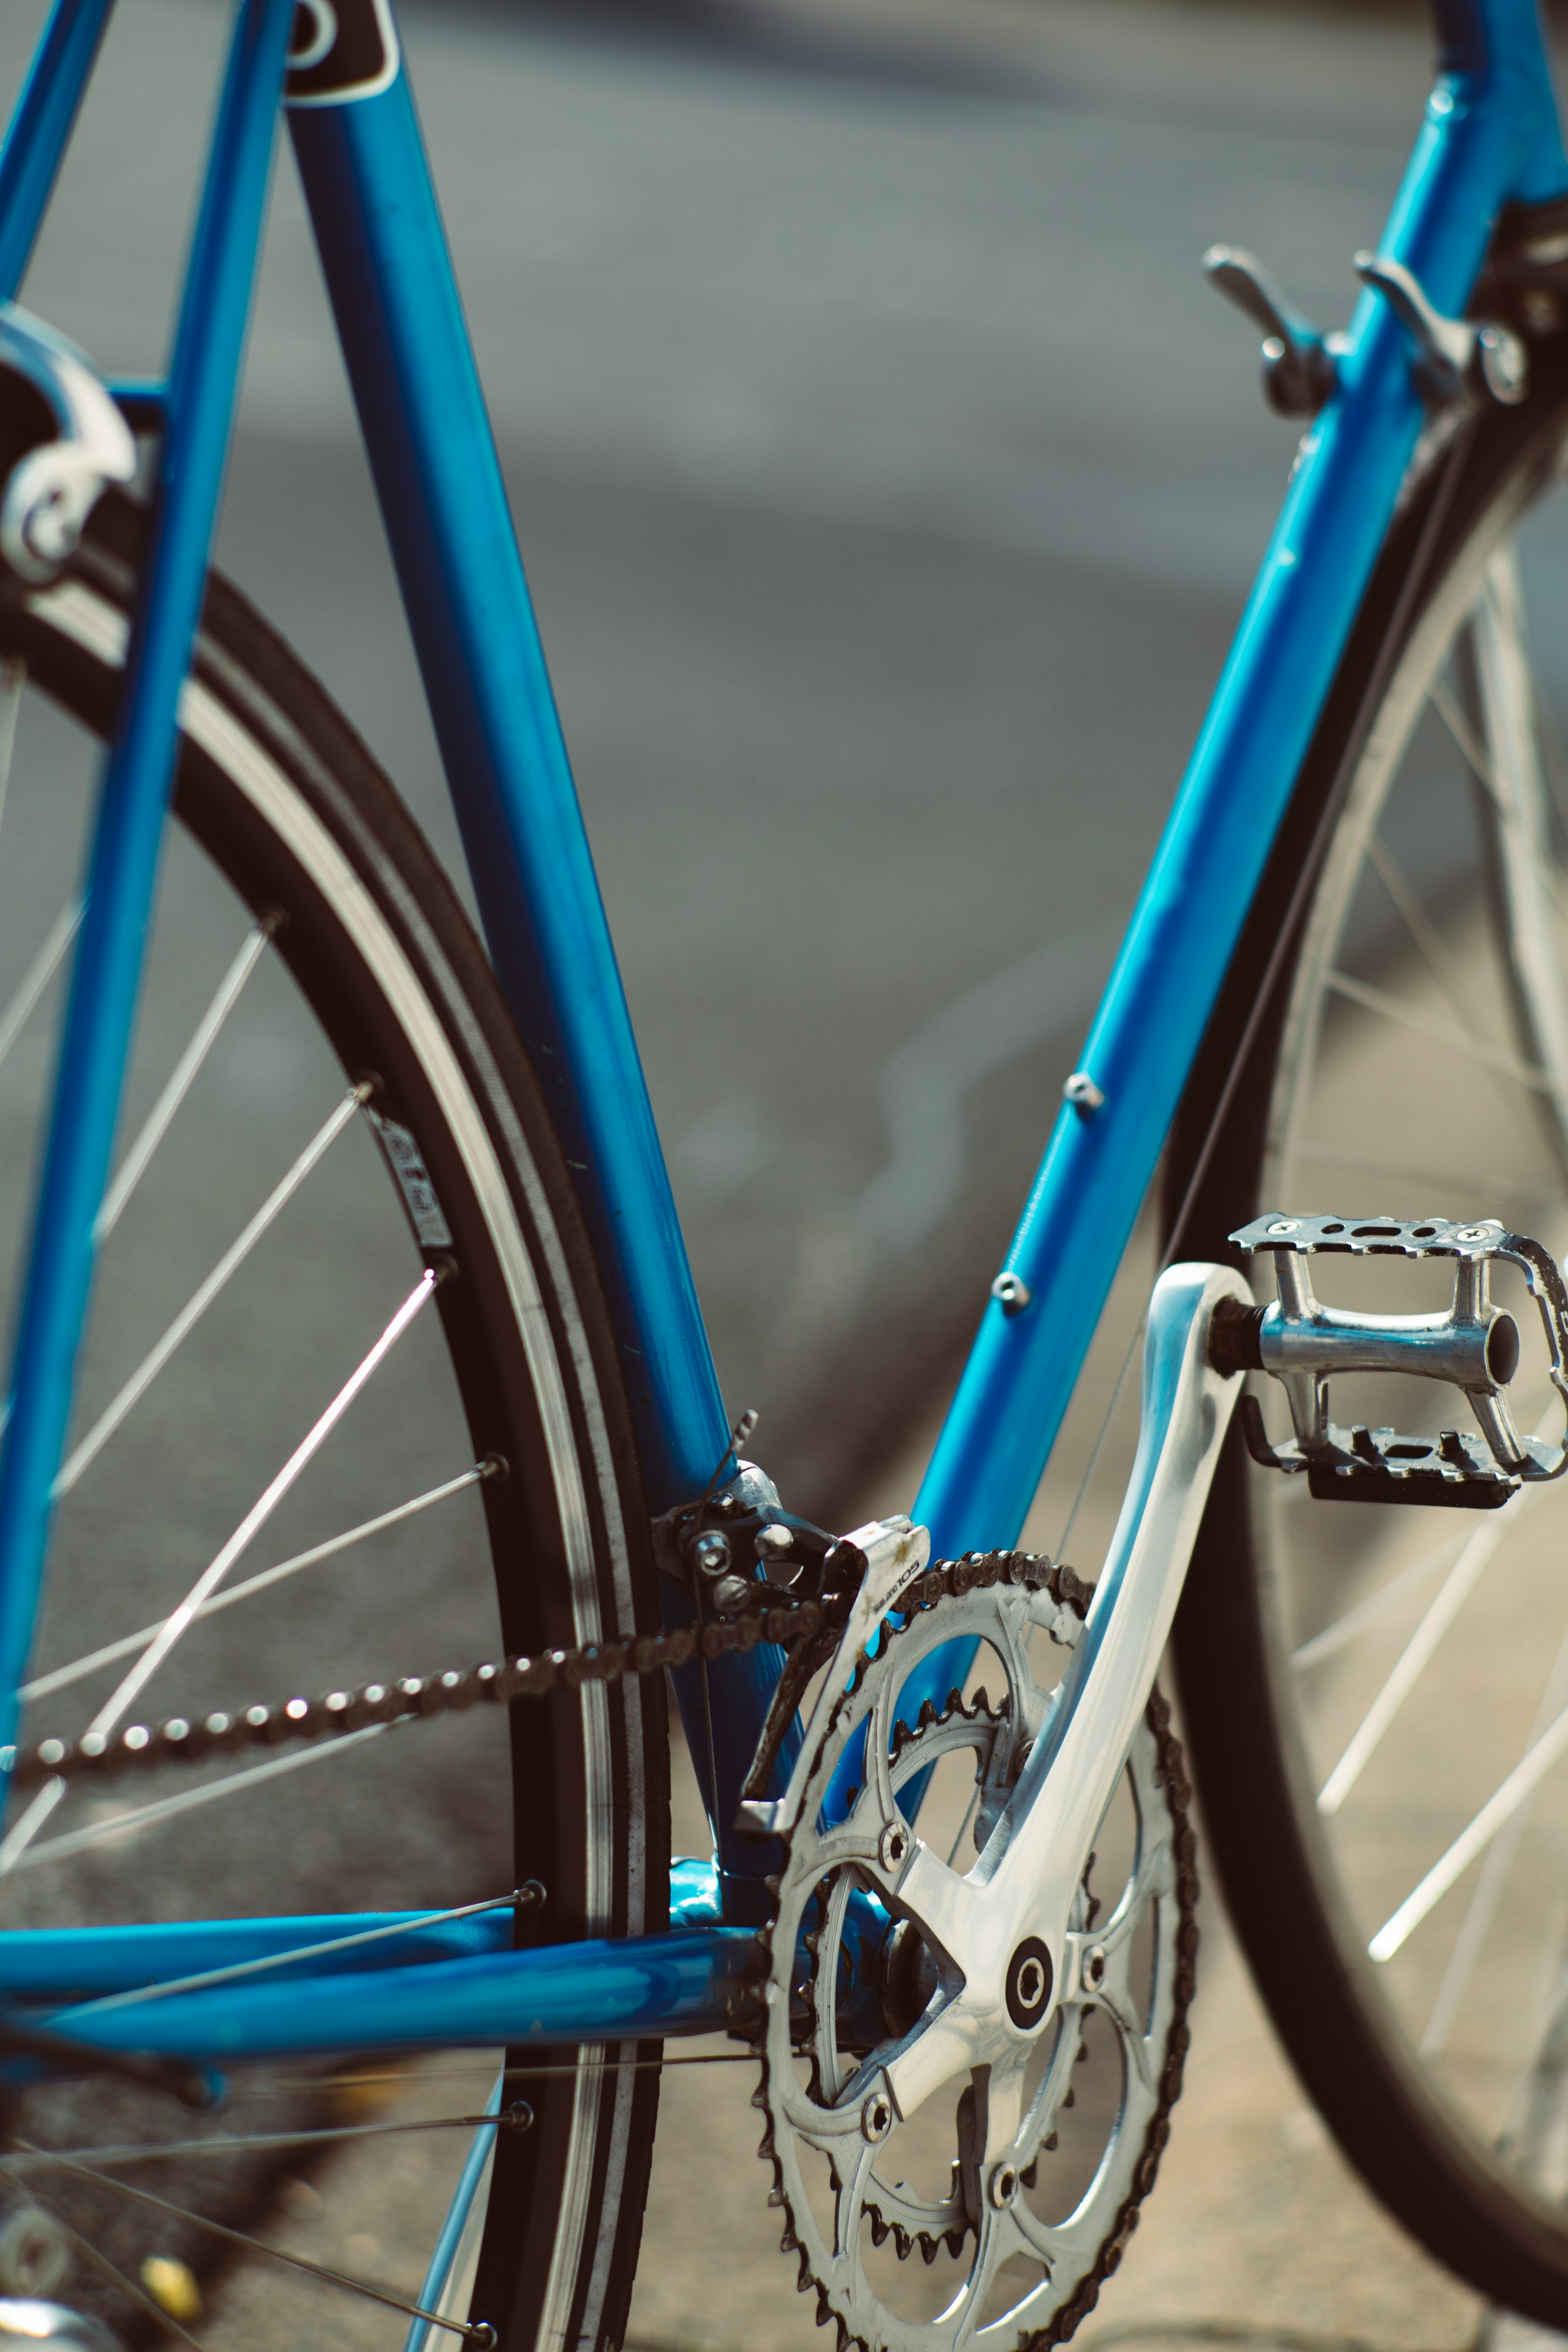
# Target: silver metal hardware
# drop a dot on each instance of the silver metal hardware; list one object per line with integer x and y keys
{"x": 1474, "y": 1345}
{"x": 1002, "y": 1933}
{"x": 896, "y": 1552}
{"x": 23, "y": 2320}
{"x": 1005, "y": 2118}
{"x": 34, "y": 2253}
{"x": 52, "y": 489}
{"x": 1299, "y": 373}
{"x": 1011, "y": 1293}
{"x": 1081, "y": 1749}
{"x": 730, "y": 1595}
{"x": 1458, "y": 359}
{"x": 711, "y": 1552}
{"x": 776, "y": 1550}
{"x": 1082, "y": 1093}
{"x": 877, "y": 2117}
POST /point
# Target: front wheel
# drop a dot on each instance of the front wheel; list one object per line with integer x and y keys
{"x": 1360, "y": 1684}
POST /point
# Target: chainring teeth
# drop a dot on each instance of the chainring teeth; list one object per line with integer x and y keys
{"x": 863, "y": 2323}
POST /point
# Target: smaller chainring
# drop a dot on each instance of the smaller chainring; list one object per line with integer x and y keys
{"x": 843, "y": 1984}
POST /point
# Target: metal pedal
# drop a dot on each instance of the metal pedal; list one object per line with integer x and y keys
{"x": 1474, "y": 1345}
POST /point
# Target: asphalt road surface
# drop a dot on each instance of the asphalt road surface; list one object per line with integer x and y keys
{"x": 889, "y": 482}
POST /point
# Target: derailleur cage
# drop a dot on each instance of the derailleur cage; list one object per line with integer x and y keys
{"x": 1474, "y": 1345}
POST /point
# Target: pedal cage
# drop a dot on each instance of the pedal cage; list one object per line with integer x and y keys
{"x": 1474, "y": 1345}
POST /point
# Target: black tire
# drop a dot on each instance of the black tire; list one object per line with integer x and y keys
{"x": 288, "y": 806}
{"x": 1293, "y": 1896}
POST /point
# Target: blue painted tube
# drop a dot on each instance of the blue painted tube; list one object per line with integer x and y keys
{"x": 56, "y": 1964}
{"x": 40, "y": 128}
{"x": 421, "y": 409}
{"x": 456, "y": 2222}
{"x": 1482, "y": 131}
{"x": 643, "y": 1988}
{"x": 423, "y": 413}
{"x": 60, "y": 1964}
{"x": 1490, "y": 132}
{"x": 107, "y": 966}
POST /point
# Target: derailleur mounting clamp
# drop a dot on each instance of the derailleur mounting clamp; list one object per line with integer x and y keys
{"x": 739, "y": 1550}
{"x": 1474, "y": 1345}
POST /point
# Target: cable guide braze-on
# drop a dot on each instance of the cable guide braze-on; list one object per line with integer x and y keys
{"x": 1474, "y": 1345}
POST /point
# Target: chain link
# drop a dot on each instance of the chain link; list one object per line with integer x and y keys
{"x": 101, "y": 1756}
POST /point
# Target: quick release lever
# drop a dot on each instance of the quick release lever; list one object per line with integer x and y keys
{"x": 1298, "y": 375}
{"x": 1457, "y": 358}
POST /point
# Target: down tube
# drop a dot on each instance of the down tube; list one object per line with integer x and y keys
{"x": 1490, "y": 132}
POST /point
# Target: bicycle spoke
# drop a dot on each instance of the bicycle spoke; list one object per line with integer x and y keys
{"x": 100, "y": 2261}
{"x": 968, "y": 1817}
{"x": 13, "y": 678}
{"x": 1375, "y": 1163}
{"x": 1500, "y": 1807}
{"x": 181, "y": 1078}
{"x": 472, "y": 2334}
{"x": 202, "y": 1298}
{"x": 1366, "y": 1612}
{"x": 251, "y": 2142}
{"x": 1436, "y": 1031}
{"x": 1416, "y": 1655}
{"x": 1441, "y": 698}
{"x": 39, "y": 973}
{"x": 28, "y": 1855}
{"x": 1434, "y": 950}
{"x": 287, "y": 2085}
{"x": 239, "y": 1968}
{"x": 59, "y": 1678}
{"x": 1482, "y": 1907}
{"x": 178, "y": 1622}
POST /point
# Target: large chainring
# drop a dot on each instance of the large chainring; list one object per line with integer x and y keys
{"x": 847, "y": 1979}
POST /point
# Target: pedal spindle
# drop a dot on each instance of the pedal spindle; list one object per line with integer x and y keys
{"x": 1474, "y": 1345}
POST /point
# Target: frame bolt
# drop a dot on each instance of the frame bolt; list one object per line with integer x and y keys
{"x": 894, "y": 1846}
{"x": 711, "y": 1552}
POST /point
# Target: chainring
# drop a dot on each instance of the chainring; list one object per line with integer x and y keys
{"x": 1020, "y": 2278}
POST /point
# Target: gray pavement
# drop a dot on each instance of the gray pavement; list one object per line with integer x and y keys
{"x": 890, "y": 483}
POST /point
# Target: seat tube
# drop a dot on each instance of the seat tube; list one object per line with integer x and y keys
{"x": 123, "y": 864}
{"x": 438, "y": 479}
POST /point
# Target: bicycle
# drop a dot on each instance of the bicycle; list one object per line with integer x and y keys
{"x": 552, "y": 1483}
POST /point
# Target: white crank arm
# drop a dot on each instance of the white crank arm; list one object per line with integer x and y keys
{"x": 1024, "y": 1884}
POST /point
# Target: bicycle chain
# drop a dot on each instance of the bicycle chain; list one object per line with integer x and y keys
{"x": 1069, "y": 1591}
{"x": 101, "y": 1755}
{"x": 97, "y": 1757}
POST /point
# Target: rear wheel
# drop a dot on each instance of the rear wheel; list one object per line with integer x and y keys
{"x": 1360, "y": 1683}
{"x": 327, "y": 1103}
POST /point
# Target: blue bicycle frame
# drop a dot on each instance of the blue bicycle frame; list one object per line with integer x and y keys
{"x": 1490, "y": 137}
